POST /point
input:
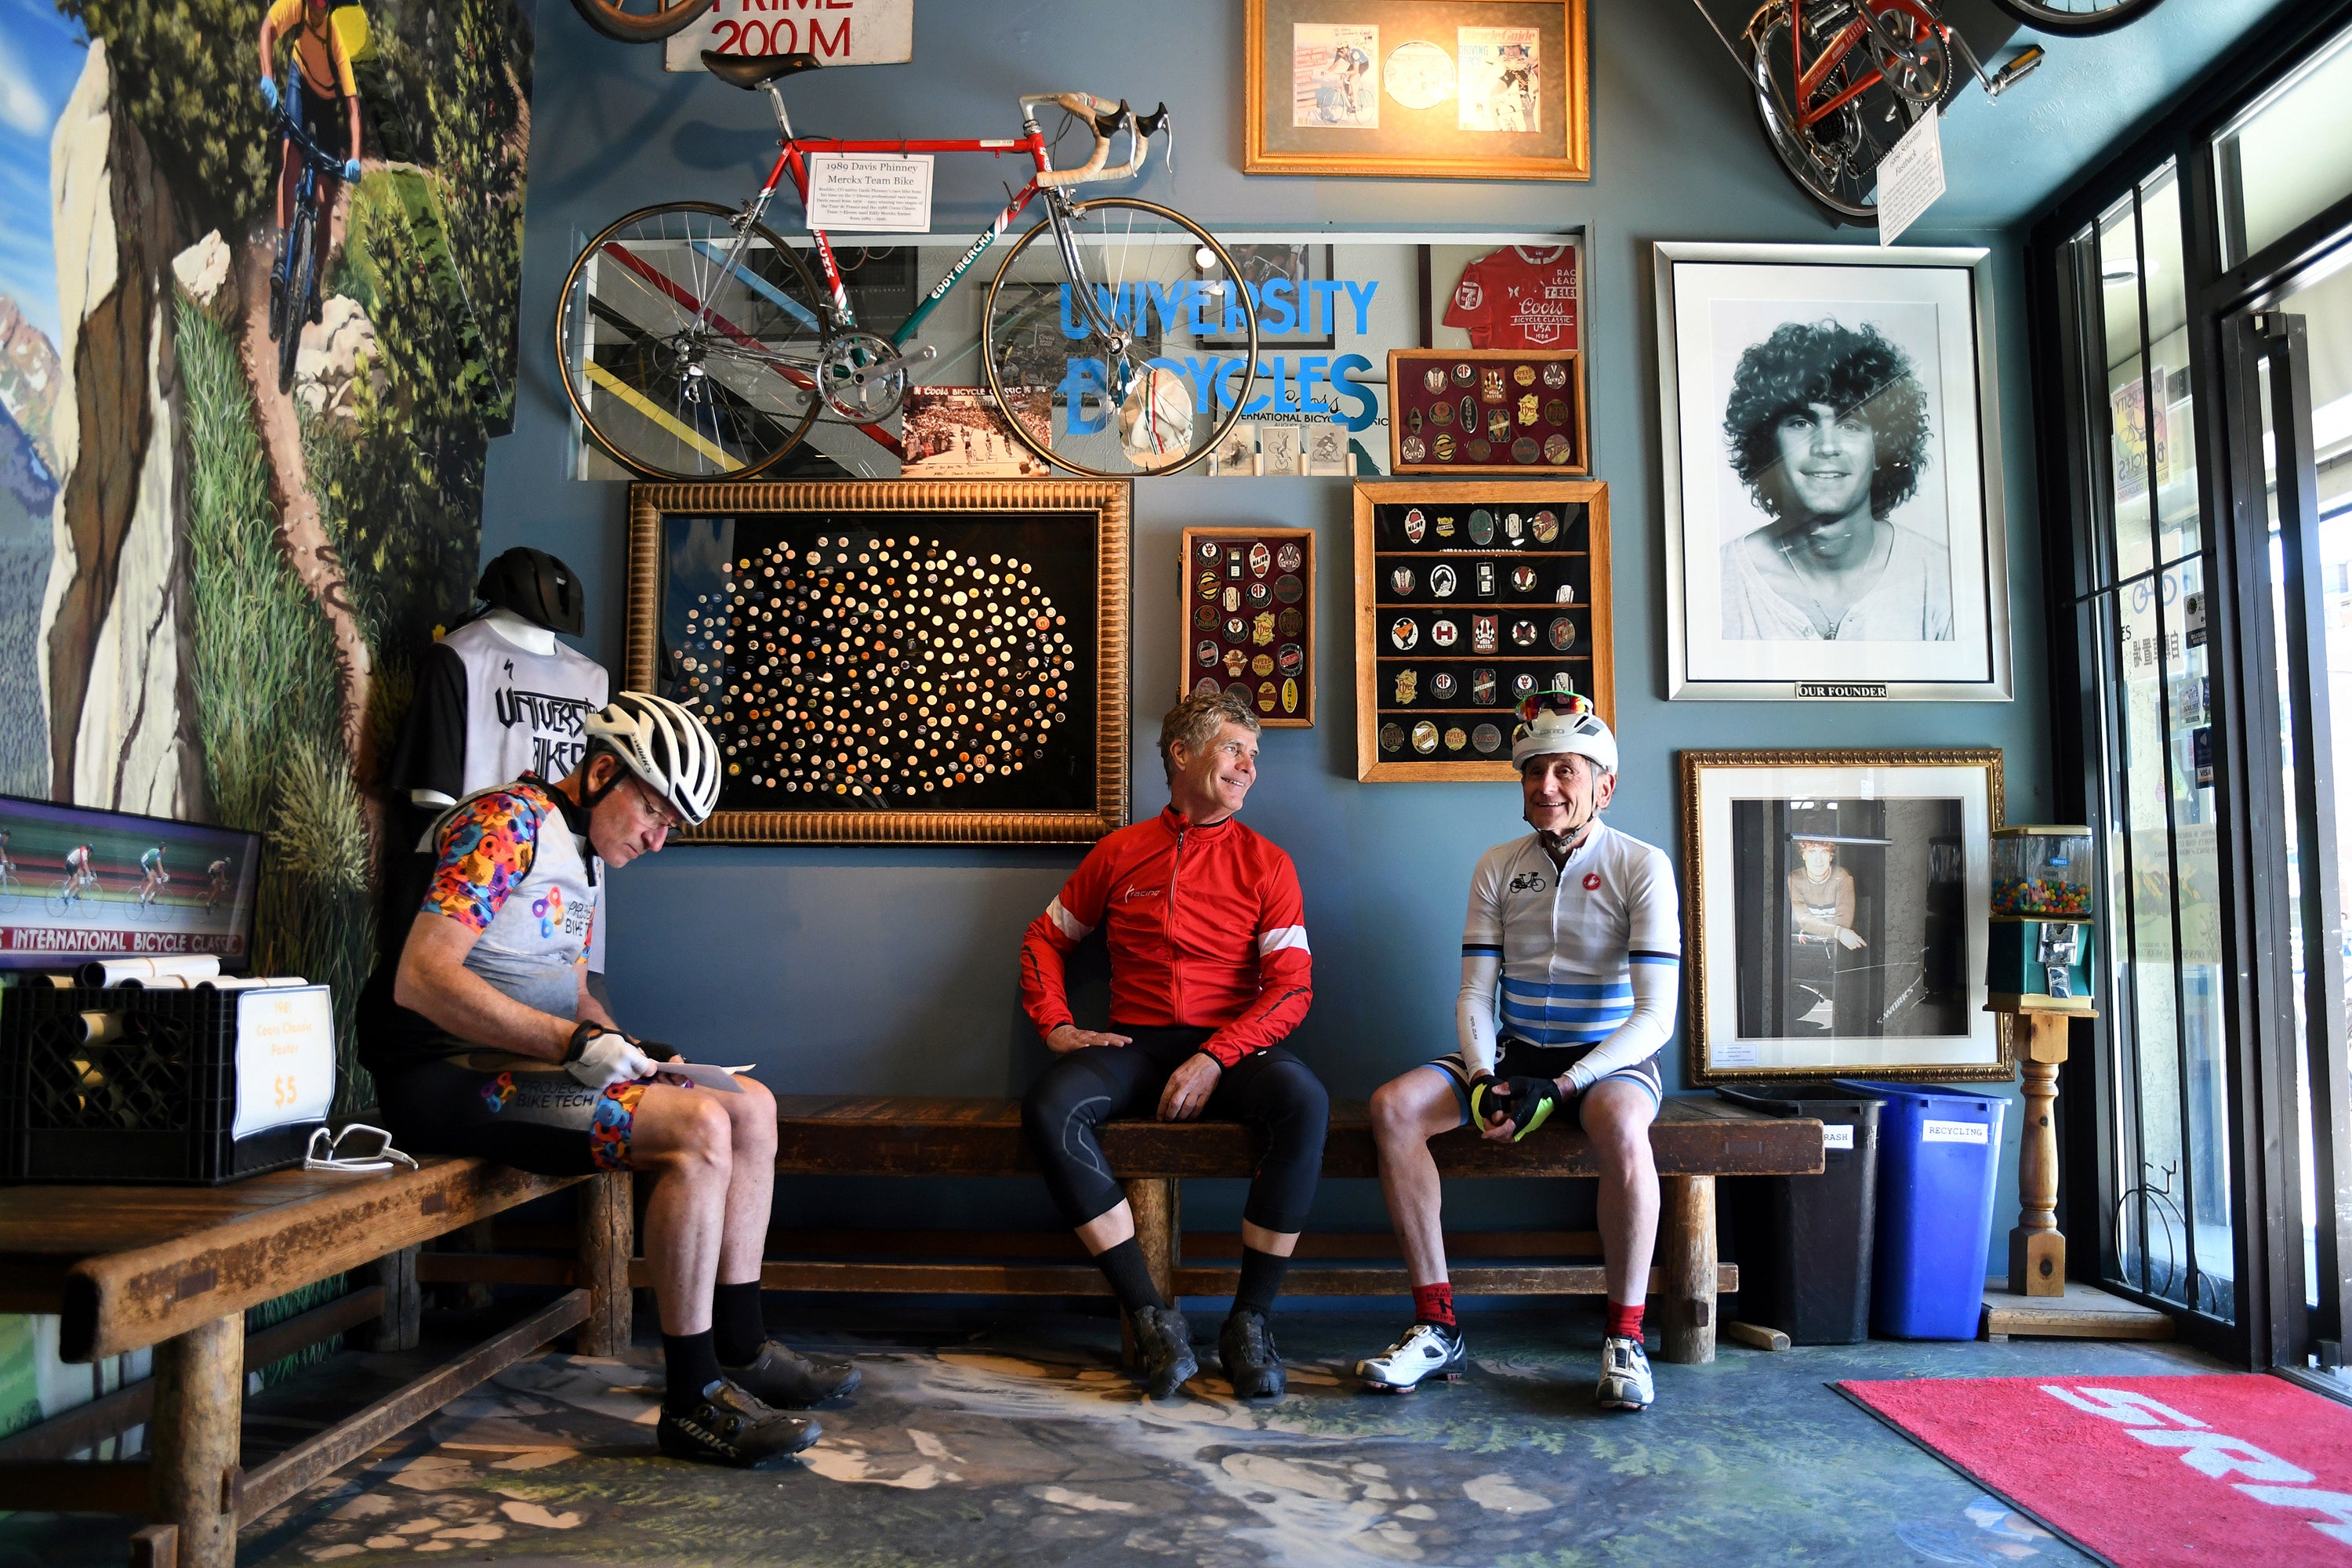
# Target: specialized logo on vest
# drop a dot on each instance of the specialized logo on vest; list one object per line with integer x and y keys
{"x": 1591, "y": 881}
{"x": 550, "y": 910}
{"x": 1528, "y": 882}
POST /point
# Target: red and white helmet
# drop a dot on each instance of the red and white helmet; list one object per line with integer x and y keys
{"x": 666, "y": 746}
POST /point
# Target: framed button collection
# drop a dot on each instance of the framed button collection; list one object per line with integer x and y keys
{"x": 1471, "y": 595}
{"x": 1486, "y": 411}
{"x": 1248, "y": 619}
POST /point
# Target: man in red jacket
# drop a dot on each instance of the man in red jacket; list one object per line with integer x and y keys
{"x": 1209, "y": 971}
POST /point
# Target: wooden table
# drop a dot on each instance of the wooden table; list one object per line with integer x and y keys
{"x": 175, "y": 1267}
{"x": 1696, "y": 1138}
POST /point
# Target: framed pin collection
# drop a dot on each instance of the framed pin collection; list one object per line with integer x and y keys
{"x": 1247, "y": 617}
{"x": 896, "y": 661}
{"x": 1486, "y": 411}
{"x": 1470, "y": 596}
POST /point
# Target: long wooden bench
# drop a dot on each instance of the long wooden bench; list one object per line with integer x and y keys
{"x": 175, "y": 1267}
{"x": 1696, "y": 1138}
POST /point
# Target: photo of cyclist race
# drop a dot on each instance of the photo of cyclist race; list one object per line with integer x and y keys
{"x": 152, "y": 877}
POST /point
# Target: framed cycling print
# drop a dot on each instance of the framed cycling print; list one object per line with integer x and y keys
{"x": 1832, "y": 473}
{"x": 1246, "y": 614}
{"x": 1834, "y": 910}
{"x": 1454, "y": 89}
{"x": 908, "y": 661}
{"x": 1472, "y": 597}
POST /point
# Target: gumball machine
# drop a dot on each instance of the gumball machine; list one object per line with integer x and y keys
{"x": 2038, "y": 947}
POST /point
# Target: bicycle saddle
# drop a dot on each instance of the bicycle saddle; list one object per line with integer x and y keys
{"x": 752, "y": 72}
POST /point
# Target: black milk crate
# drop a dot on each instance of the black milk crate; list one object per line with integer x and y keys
{"x": 153, "y": 1107}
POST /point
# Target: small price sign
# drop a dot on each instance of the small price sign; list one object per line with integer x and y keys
{"x": 284, "y": 1058}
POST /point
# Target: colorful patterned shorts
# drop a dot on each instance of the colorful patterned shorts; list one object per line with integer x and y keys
{"x": 537, "y": 1118}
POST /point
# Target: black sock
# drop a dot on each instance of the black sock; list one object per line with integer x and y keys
{"x": 1130, "y": 1281}
{"x": 735, "y": 1320}
{"x": 692, "y": 1364}
{"x": 1261, "y": 1277}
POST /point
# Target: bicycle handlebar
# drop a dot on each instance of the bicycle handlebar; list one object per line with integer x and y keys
{"x": 1104, "y": 119}
{"x": 292, "y": 129}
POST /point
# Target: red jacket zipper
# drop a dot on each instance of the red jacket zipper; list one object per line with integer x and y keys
{"x": 1175, "y": 950}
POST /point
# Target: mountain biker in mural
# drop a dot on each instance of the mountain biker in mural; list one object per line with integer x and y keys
{"x": 330, "y": 118}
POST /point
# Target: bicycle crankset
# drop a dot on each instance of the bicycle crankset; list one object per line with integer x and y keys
{"x": 863, "y": 377}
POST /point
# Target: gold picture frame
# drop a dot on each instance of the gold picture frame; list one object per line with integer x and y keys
{"x": 1356, "y": 125}
{"x": 1073, "y": 536}
{"x": 1891, "y": 930}
{"x": 1216, "y": 560}
{"x": 1575, "y": 557}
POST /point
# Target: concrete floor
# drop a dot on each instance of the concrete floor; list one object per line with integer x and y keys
{"x": 988, "y": 1438}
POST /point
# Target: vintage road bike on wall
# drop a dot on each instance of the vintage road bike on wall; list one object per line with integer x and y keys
{"x": 1837, "y": 82}
{"x": 695, "y": 343}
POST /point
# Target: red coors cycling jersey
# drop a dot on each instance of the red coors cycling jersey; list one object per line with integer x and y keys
{"x": 1207, "y": 929}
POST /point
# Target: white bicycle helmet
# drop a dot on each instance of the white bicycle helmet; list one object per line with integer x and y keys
{"x": 665, "y": 745}
{"x": 1551, "y": 722}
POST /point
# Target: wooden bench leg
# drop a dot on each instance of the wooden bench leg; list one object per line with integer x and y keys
{"x": 1686, "y": 1269}
{"x": 401, "y": 1323}
{"x": 1154, "y": 1205}
{"x": 608, "y": 1239}
{"x": 199, "y": 1405}
{"x": 155, "y": 1546}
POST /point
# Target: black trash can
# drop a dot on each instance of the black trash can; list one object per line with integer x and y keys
{"x": 1804, "y": 1242}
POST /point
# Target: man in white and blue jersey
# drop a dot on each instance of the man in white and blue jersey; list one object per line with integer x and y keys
{"x": 1578, "y": 927}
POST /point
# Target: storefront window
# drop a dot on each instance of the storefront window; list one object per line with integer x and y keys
{"x": 2288, "y": 156}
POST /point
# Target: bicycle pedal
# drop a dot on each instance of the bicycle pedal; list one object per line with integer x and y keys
{"x": 2017, "y": 68}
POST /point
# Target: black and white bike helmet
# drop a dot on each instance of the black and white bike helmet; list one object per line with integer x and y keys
{"x": 662, "y": 744}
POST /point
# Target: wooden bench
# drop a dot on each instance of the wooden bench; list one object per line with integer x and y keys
{"x": 175, "y": 1267}
{"x": 1696, "y": 1138}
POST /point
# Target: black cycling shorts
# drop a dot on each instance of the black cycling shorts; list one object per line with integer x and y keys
{"x": 520, "y": 1112}
{"x": 325, "y": 119}
{"x": 1515, "y": 1058}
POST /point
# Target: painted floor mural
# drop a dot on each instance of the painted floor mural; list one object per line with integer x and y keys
{"x": 977, "y": 1442}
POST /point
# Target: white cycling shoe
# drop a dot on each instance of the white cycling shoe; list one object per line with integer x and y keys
{"x": 1427, "y": 1350}
{"x": 1624, "y": 1375}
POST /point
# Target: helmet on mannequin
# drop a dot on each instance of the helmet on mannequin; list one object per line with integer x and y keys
{"x": 536, "y": 586}
{"x": 665, "y": 745}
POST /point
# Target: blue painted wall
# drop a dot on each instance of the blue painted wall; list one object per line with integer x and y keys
{"x": 892, "y": 970}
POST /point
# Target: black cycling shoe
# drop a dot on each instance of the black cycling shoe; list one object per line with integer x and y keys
{"x": 728, "y": 1426}
{"x": 782, "y": 1377}
{"x": 1163, "y": 1343}
{"x": 1252, "y": 1364}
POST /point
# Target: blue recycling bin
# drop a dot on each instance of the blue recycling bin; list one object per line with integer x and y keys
{"x": 1938, "y": 1159}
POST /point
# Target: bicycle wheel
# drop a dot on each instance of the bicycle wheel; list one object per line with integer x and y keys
{"x": 1835, "y": 160}
{"x": 2076, "y": 18}
{"x": 60, "y": 898}
{"x": 680, "y": 374}
{"x": 297, "y": 298}
{"x": 616, "y": 20}
{"x": 1095, "y": 350}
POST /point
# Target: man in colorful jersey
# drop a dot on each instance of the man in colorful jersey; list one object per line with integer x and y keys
{"x": 1581, "y": 924}
{"x": 151, "y": 875}
{"x": 1209, "y": 971}
{"x": 484, "y": 1040}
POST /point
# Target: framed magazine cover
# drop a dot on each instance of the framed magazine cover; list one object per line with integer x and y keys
{"x": 1456, "y": 89}
{"x": 1834, "y": 908}
{"x": 1833, "y": 474}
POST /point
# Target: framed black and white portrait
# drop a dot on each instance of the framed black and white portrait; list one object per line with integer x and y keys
{"x": 1834, "y": 914}
{"x": 1832, "y": 473}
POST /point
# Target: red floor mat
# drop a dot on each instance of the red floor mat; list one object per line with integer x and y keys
{"x": 2147, "y": 1472}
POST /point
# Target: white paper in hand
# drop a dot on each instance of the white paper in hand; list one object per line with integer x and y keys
{"x": 708, "y": 1076}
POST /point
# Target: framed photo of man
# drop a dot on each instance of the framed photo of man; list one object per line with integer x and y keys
{"x": 1834, "y": 909}
{"x": 1832, "y": 473}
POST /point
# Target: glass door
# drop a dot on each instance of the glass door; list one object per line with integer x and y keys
{"x": 2292, "y": 410}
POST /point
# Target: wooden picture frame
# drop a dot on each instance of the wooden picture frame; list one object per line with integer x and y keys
{"x": 1834, "y": 910}
{"x": 1413, "y": 409}
{"x": 1351, "y": 120}
{"x": 1446, "y": 666}
{"x": 1231, "y": 605}
{"x": 1019, "y": 733}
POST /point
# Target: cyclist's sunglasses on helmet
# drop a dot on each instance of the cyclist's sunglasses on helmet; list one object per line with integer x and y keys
{"x": 1567, "y": 704}
{"x": 357, "y": 1148}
